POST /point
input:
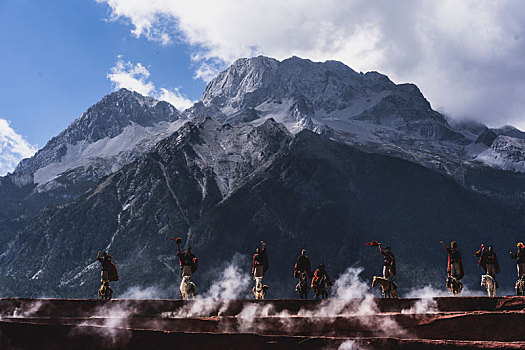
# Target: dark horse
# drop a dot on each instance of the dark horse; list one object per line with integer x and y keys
{"x": 302, "y": 286}
{"x": 321, "y": 288}
{"x": 454, "y": 285}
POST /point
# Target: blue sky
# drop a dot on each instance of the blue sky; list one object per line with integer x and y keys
{"x": 58, "y": 57}
{"x": 55, "y": 57}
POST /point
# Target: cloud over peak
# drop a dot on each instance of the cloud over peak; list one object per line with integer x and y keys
{"x": 136, "y": 77}
{"x": 466, "y": 56}
{"x": 13, "y": 148}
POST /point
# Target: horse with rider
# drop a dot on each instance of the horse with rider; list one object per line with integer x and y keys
{"x": 454, "y": 268}
{"x": 108, "y": 274}
{"x": 519, "y": 256}
{"x": 488, "y": 261}
{"x": 387, "y": 283}
{"x": 303, "y": 271}
{"x": 188, "y": 264}
{"x": 320, "y": 282}
{"x": 260, "y": 265}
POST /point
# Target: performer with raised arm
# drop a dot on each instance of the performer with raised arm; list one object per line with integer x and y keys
{"x": 455, "y": 263}
{"x": 389, "y": 264}
{"x": 260, "y": 261}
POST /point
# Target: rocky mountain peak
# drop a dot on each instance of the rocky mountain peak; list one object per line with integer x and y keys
{"x": 330, "y": 98}
{"x": 105, "y": 119}
{"x": 299, "y": 89}
{"x": 117, "y": 110}
{"x": 244, "y": 76}
{"x": 271, "y": 124}
{"x": 250, "y": 82}
{"x": 509, "y": 130}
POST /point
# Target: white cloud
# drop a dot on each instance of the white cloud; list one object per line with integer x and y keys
{"x": 13, "y": 148}
{"x": 465, "y": 56}
{"x": 205, "y": 71}
{"x": 135, "y": 77}
{"x": 175, "y": 98}
{"x": 131, "y": 76}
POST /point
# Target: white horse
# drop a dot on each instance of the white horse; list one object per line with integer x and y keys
{"x": 187, "y": 288}
{"x": 259, "y": 291}
{"x": 489, "y": 283}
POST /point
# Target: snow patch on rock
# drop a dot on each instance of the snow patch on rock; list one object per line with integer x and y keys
{"x": 116, "y": 151}
{"x": 507, "y": 153}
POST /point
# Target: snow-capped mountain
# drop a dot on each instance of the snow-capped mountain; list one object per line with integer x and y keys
{"x": 303, "y": 94}
{"x": 367, "y": 111}
{"x": 225, "y": 188}
{"x": 109, "y": 135}
{"x": 243, "y": 165}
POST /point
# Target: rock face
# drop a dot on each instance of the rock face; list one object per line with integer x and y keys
{"x": 367, "y": 111}
{"x": 506, "y": 153}
{"x": 186, "y": 175}
{"x": 117, "y": 124}
{"x": 487, "y": 137}
{"x": 302, "y": 93}
{"x": 109, "y": 135}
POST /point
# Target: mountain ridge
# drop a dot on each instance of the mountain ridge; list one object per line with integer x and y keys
{"x": 103, "y": 119}
{"x": 311, "y": 191}
{"x": 286, "y": 151}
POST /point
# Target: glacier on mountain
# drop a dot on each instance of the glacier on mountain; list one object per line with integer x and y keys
{"x": 115, "y": 152}
{"x": 366, "y": 110}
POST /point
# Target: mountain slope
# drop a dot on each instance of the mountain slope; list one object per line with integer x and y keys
{"x": 132, "y": 172}
{"x": 134, "y": 211}
{"x": 367, "y": 111}
{"x": 110, "y": 134}
{"x": 310, "y": 193}
{"x": 331, "y": 199}
{"x": 120, "y": 123}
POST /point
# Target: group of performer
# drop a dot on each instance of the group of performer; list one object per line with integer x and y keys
{"x": 488, "y": 261}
